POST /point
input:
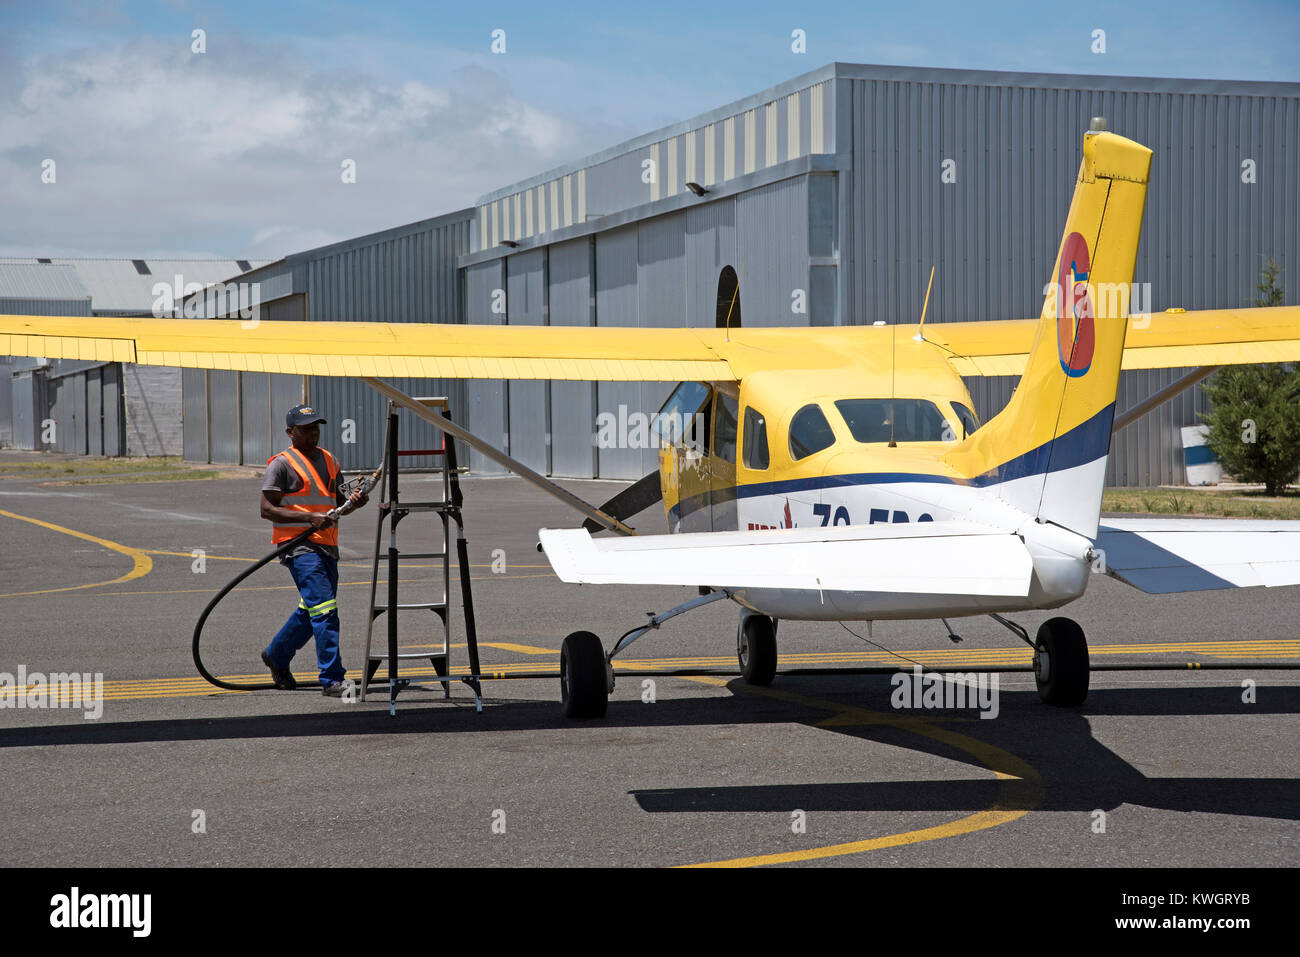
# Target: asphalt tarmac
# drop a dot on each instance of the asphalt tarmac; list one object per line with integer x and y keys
{"x": 1181, "y": 768}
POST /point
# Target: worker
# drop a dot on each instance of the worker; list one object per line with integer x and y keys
{"x": 300, "y": 487}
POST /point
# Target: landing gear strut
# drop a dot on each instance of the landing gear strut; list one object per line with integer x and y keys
{"x": 587, "y": 673}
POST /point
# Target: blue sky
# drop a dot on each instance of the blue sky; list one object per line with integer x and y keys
{"x": 235, "y": 152}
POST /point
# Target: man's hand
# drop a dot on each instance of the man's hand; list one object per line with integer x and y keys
{"x": 358, "y": 498}
{"x": 319, "y": 520}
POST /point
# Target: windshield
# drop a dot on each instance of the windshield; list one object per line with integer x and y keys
{"x": 915, "y": 420}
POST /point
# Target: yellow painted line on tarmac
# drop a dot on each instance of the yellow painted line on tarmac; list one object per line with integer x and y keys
{"x": 142, "y": 563}
{"x": 292, "y": 588}
{"x": 142, "y": 688}
{"x": 503, "y": 645}
{"x": 349, "y": 563}
{"x": 1021, "y": 790}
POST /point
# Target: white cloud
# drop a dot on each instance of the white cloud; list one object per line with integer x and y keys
{"x": 157, "y": 148}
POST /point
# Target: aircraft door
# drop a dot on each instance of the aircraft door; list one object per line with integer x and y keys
{"x": 682, "y": 427}
{"x": 722, "y": 463}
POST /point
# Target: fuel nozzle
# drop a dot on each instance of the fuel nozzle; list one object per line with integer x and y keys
{"x": 363, "y": 484}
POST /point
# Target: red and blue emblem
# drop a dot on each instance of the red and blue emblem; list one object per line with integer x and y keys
{"x": 1075, "y": 331}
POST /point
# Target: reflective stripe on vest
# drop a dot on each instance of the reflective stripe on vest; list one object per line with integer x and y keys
{"x": 315, "y": 495}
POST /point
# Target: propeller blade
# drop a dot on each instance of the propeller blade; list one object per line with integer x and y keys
{"x": 640, "y": 495}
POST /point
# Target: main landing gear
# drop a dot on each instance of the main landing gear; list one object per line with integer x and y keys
{"x": 587, "y": 673}
{"x": 1061, "y": 667}
{"x": 756, "y": 648}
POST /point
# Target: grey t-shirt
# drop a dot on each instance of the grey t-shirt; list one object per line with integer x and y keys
{"x": 280, "y": 477}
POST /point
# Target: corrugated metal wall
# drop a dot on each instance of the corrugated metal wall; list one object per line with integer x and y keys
{"x": 573, "y": 404}
{"x": 772, "y": 239}
{"x": 616, "y": 305}
{"x": 528, "y": 400}
{"x": 396, "y": 277}
{"x": 993, "y": 233}
{"x": 484, "y": 304}
{"x": 28, "y": 409}
{"x": 194, "y": 414}
{"x": 406, "y": 274}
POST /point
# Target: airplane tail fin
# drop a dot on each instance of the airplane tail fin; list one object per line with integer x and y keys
{"x": 1046, "y": 451}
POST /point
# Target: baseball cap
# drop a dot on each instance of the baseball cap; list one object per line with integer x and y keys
{"x": 302, "y": 415}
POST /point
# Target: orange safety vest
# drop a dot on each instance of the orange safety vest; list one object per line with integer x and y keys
{"x": 314, "y": 496}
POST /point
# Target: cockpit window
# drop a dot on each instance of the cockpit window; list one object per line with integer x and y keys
{"x": 684, "y": 417}
{"x": 755, "y": 454}
{"x": 914, "y": 420}
{"x": 724, "y": 428}
{"x": 968, "y": 421}
{"x": 809, "y": 432}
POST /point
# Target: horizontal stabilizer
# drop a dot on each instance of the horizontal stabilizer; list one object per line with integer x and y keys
{"x": 942, "y": 558}
{"x": 1161, "y": 556}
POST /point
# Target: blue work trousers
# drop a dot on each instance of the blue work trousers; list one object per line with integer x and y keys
{"x": 317, "y": 578}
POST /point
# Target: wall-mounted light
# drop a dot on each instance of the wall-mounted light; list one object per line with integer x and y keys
{"x": 696, "y": 188}
{"x": 509, "y": 242}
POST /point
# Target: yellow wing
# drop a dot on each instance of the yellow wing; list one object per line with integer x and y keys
{"x": 1164, "y": 340}
{"x": 421, "y": 350}
{"x": 606, "y": 353}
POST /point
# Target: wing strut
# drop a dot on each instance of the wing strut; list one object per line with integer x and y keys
{"x": 514, "y": 465}
{"x": 1179, "y": 385}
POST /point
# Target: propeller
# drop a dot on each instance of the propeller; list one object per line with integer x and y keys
{"x": 640, "y": 495}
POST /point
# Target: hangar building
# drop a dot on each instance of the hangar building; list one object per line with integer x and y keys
{"x": 88, "y": 407}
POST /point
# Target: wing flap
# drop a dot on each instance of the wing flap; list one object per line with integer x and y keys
{"x": 1166, "y": 556}
{"x": 947, "y": 559}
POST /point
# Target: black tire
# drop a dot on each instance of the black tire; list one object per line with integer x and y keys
{"x": 756, "y": 649}
{"x": 583, "y": 690}
{"x": 1061, "y": 663}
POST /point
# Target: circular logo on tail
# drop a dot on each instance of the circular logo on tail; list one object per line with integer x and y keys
{"x": 1076, "y": 337}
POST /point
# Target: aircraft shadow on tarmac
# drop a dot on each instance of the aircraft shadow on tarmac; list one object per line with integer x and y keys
{"x": 1077, "y": 772}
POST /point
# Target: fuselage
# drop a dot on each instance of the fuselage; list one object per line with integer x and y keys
{"x": 857, "y": 445}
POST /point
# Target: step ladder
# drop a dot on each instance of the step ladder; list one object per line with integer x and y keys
{"x": 391, "y": 512}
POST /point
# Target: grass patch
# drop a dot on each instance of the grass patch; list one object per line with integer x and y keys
{"x": 1201, "y": 502}
{"x": 95, "y": 470}
{"x": 174, "y": 476}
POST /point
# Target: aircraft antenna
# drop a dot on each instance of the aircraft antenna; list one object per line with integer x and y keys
{"x": 920, "y": 330}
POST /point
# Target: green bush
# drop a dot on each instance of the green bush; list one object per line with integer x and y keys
{"x": 1255, "y": 416}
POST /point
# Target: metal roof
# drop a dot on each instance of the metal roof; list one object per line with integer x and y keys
{"x": 30, "y": 280}
{"x": 289, "y": 274}
{"x": 118, "y": 286}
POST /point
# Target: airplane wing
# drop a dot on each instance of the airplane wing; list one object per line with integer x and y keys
{"x": 942, "y": 558}
{"x": 1163, "y": 340}
{"x": 1161, "y": 556}
{"x": 378, "y": 349}
{"x": 609, "y": 353}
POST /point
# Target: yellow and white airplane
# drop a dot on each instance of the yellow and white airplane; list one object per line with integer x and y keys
{"x": 834, "y": 474}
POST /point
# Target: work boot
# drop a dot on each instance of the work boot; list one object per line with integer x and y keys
{"x": 282, "y": 677}
{"x": 335, "y": 689}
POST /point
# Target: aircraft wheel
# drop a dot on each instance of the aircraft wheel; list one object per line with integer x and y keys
{"x": 756, "y": 649}
{"x": 1061, "y": 662}
{"x": 583, "y": 688}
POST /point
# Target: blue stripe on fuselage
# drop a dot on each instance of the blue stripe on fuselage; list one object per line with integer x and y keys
{"x": 1084, "y": 443}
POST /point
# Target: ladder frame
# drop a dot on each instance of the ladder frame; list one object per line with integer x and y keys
{"x": 393, "y": 511}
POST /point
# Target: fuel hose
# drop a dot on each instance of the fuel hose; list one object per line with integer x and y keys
{"x": 365, "y": 484}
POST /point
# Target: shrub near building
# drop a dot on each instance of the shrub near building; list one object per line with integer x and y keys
{"x": 1255, "y": 412}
